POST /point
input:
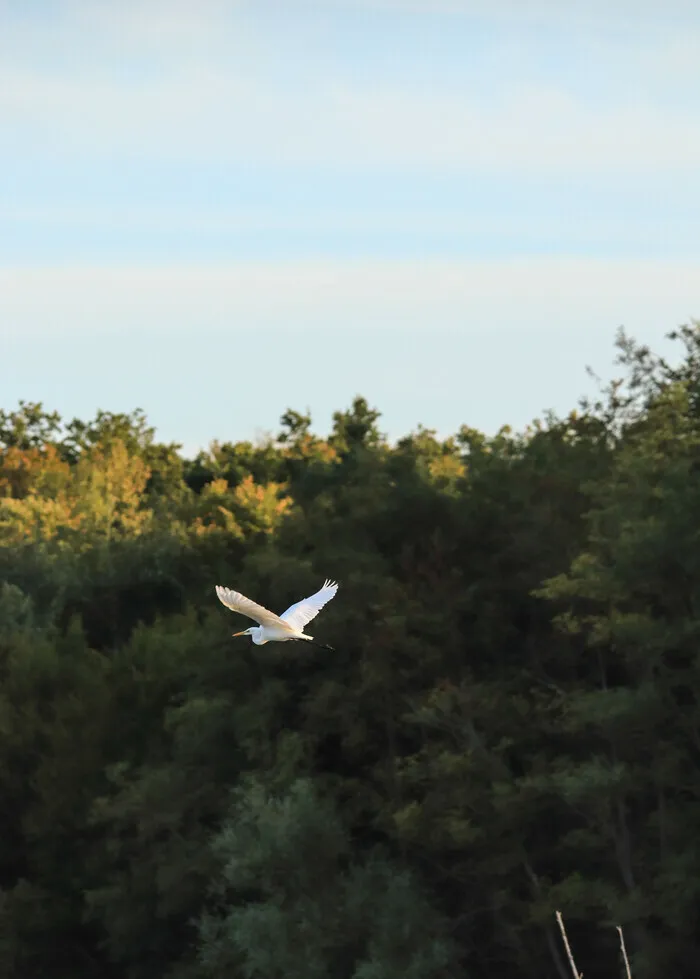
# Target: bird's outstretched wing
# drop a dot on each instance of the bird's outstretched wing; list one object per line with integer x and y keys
{"x": 239, "y": 603}
{"x": 300, "y": 613}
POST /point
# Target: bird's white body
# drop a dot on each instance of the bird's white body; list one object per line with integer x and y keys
{"x": 277, "y": 628}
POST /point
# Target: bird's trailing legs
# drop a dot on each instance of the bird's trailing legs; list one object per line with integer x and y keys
{"x": 321, "y": 645}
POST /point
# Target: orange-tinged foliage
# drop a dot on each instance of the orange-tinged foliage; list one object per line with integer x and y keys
{"x": 213, "y": 513}
{"x": 247, "y": 507}
{"x": 309, "y": 447}
{"x": 38, "y": 470}
{"x": 445, "y": 471}
{"x": 36, "y": 518}
{"x": 263, "y": 506}
{"x": 109, "y": 484}
{"x": 102, "y": 495}
{"x": 44, "y": 498}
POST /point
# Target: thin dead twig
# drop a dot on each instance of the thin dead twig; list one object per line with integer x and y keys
{"x": 624, "y": 952}
{"x": 577, "y": 974}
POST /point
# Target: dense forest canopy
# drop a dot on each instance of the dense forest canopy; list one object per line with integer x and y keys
{"x": 509, "y": 724}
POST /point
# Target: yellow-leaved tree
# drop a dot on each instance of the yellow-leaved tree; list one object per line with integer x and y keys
{"x": 44, "y": 499}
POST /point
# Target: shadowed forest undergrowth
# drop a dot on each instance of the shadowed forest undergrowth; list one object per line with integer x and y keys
{"x": 509, "y": 725}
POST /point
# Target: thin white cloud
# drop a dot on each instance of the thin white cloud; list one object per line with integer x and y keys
{"x": 210, "y": 83}
{"x": 541, "y": 295}
{"x": 226, "y": 119}
{"x": 511, "y": 230}
{"x": 631, "y": 14}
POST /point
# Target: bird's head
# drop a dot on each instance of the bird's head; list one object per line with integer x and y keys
{"x": 246, "y": 632}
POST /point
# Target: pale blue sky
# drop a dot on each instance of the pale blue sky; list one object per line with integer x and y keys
{"x": 215, "y": 211}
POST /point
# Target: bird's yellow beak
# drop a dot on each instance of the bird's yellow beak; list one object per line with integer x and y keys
{"x": 239, "y": 633}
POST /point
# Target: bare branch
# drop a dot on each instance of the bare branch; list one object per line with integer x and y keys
{"x": 577, "y": 974}
{"x": 624, "y": 952}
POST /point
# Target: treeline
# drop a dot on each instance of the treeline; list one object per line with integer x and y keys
{"x": 510, "y": 724}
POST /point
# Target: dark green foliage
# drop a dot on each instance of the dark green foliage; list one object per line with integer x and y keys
{"x": 292, "y": 902}
{"x": 510, "y": 724}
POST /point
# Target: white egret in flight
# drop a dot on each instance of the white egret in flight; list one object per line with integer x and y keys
{"x": 278, "y": 628}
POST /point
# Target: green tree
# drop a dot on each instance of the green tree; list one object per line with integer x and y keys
{"x": 292, "y": 902}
